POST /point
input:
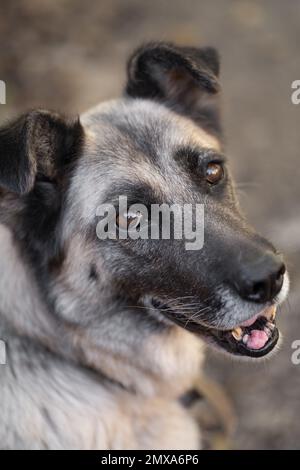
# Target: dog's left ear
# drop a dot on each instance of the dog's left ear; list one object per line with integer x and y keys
{"x": 37, "y": 144}
{"x": 183, "y": 78}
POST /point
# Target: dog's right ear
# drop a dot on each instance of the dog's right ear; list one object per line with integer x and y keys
{"x": 38, "y": 143}
{"x": 183, "y": 78}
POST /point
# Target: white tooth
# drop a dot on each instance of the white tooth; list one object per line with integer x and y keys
{"x": 273, "y": 314}
{"x": 267, "y": 331}
{"x": 245, "y": 339}
{"x": 270, "y": 312}
{"x": 270, "y": 326}
{"x": 237, "y": 333}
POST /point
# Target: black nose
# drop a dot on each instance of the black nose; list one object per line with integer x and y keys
{"x": 261, "y": 280}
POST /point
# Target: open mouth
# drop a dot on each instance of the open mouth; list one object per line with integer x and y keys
{"x": 255, "y": 337}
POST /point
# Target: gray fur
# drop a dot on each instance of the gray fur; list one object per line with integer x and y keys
{"x": 86, "y": 370}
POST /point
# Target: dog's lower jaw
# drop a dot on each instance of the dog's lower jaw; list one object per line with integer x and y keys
{"x": 177, "y": 357}
{"x": 167, "y": 364}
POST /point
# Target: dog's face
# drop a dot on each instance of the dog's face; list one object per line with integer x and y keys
{"x": 159, "y": 144}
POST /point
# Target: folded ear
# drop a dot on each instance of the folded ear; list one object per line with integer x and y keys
{"x": 37, "y": 143}
{"x": 183, "y": 78}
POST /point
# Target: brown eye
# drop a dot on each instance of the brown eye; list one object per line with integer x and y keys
{"x": 124, "y": 221}
{"x": 214, "y": 172}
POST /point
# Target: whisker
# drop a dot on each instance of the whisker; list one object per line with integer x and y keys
{"x": 197, "y": 315}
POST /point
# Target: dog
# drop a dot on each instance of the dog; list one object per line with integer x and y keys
{"x": 105, "y": 336}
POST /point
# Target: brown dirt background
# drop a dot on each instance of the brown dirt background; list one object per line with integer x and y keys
{"x": 68, "y": 55}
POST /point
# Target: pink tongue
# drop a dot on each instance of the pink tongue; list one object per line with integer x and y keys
{"x": 257, "y": 339}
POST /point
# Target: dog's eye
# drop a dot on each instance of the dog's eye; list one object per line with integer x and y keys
{"x": 214, "y": 172}
{"x": 128, "y": 220}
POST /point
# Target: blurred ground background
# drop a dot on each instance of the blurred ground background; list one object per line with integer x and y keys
{"x": 70, "y": 54}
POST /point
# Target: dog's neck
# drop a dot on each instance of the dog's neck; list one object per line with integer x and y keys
{"x": 143, "y": 356}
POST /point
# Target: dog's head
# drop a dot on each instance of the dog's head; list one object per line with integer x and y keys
{"x": 160, "y": 143}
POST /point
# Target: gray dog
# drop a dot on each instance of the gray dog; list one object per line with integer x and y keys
{"x": 103, "y": 336}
